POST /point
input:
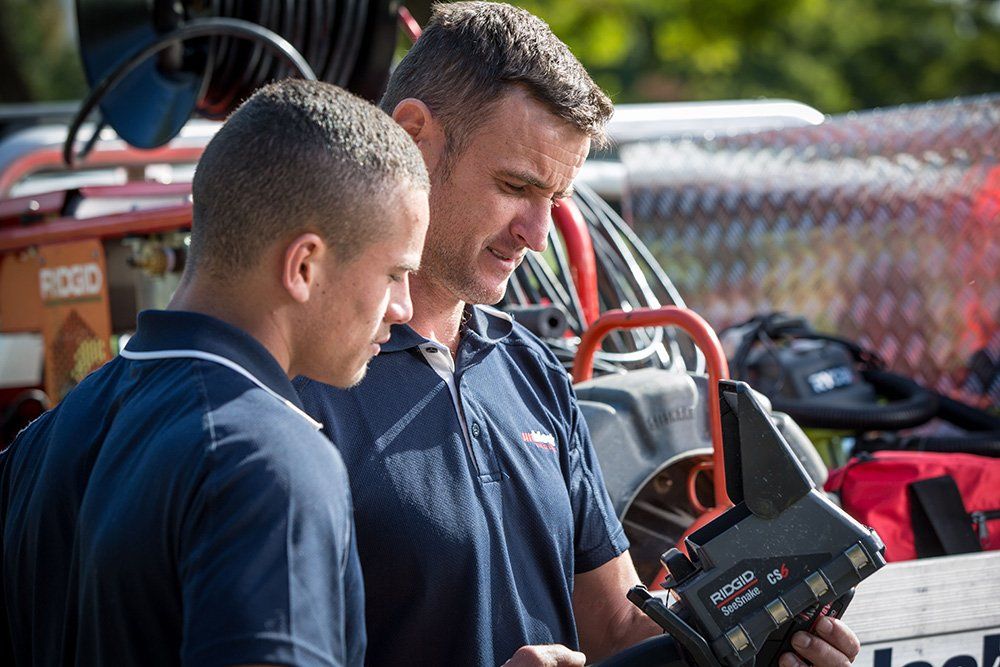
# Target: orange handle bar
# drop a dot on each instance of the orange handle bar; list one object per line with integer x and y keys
{"x": 706, "y": 340}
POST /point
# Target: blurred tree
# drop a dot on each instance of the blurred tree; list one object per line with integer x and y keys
{"x": 39, "y": 57}
{"x": 836, "y": 55}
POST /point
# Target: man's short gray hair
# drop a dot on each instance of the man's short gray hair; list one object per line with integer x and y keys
{"x": 298, "y": 156}
{"x": 471, "y": 53}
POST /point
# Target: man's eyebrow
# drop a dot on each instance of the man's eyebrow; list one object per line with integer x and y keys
{"x": 411, "y": 267}
{"x": 535, "y": 182}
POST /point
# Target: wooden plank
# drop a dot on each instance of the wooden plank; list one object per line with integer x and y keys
{"x": 933, "y": 596}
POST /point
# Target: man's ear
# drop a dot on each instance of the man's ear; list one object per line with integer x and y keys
{"x": 301, "y": 267}
{"x": 416, "y": 118}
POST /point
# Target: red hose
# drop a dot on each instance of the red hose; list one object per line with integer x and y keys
{"x": 580, "y": 255}
{"x": 409, "y": 24}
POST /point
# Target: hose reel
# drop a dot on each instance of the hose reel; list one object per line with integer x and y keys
{"x": 151, "y": 65}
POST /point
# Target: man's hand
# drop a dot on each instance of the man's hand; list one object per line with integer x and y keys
{"x": 831, "y": 644}
{"x": 548, "y": 655}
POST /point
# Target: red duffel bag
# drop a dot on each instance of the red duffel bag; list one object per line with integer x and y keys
{"x": 923, "y": 503}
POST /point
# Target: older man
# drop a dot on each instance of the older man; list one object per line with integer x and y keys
{"x": 475, "y": 539}
{"x": 178, "y": 506}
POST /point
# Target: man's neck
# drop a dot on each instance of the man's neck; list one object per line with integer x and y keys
{"x": 437, "y": 312}
{"x": 235, "y": 307}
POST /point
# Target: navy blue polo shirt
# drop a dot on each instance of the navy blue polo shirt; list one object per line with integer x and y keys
{"x": 179, "y": 507}
{"x": 468, "y": 545}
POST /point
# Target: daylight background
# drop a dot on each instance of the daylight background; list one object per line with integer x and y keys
{"x": 836, "y": 55}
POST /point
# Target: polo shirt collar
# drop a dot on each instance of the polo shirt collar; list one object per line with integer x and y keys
{"x": 484, "y": 328}
{"x": 402, "y": 337}
{"x": 489, "y": 325}
{"x": 172, "y": 332}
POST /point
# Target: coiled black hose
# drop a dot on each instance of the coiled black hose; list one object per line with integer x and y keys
{"x": 232, "y": 47}
{"x": 966, "y": 416}
{"x": 981, "y": 444}
{"x": 328, "y": 34}
{"x": 982, "y": 437}
{"x": 195, "y": 29}
{"x": 910, "y": 405}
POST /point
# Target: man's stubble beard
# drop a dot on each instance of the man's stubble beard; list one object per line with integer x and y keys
{"x": 456, "y": 275}
{"x": 441, "y": 264}
{"x": 359, "y": 376}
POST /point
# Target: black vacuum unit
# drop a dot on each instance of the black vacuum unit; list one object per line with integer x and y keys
{"x": 829, "y": 382}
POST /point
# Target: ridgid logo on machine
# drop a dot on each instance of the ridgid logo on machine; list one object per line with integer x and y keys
{"x": 736, "y": 593}
{"x": 74, "y": 281}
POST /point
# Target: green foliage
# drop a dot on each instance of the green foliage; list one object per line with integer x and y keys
{"x": 836, "y": 55}
{"x": 40, "y": 58}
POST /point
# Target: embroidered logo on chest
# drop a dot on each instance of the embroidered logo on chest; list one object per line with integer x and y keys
{"x": 541, "y": 440}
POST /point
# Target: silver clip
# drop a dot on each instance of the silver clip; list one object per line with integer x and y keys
{"x": 979, "y": 521}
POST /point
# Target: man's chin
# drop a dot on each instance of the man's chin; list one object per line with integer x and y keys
{"x": 482, "y": 294}
{"x": 358, "y": 376}
{"x": 348, "y": 379}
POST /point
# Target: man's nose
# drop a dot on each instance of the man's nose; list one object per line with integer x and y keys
{"x": 400, "y": 308}
{"x": 531, "y": 227}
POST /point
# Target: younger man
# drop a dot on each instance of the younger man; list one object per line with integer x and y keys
{"x": 178, "y": 506}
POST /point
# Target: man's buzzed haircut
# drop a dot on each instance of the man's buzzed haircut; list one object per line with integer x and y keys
{"x": 298, "y": 156}
{"x": 471, "y": 53}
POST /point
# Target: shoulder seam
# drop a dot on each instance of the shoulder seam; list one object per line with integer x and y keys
{"x": 528, "y": 345}
{"x": 208, "y": 404}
